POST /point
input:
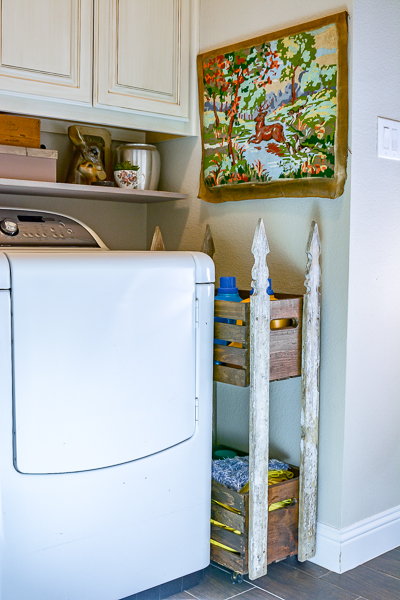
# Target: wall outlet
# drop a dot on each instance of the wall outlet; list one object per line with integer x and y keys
{"x": 388, "y": 138}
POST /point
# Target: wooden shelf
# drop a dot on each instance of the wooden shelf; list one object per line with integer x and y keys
{"x": 84, "y": 192}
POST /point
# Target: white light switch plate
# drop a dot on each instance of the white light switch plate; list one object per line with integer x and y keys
{"x": 388, "y": 138}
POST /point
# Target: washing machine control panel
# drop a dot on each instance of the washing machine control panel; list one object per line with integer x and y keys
{"x": 35, "y": 228}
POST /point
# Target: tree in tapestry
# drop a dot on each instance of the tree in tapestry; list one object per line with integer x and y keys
{"x": 270, "y": 110}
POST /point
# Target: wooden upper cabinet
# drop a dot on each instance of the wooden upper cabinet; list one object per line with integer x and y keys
{"x": 46, "y": 48}
{"x": 141, "y": 57}
{"x": 121, "y": 63}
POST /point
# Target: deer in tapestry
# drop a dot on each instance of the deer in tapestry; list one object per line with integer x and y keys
{"x": 264, "y": 132}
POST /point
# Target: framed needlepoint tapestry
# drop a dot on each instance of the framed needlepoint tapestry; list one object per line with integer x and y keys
{"x": 274, "y": 114}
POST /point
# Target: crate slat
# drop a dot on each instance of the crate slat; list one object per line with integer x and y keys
{"x": 283, "y": 340}
{"x": 282, "y": 524}
{"x": 235, "y": 562}
{"x": 228, "y": 538}
{"x": 227, "y": 517}
{"x": 289, "y": 308}
{"x": 282, "y": 533}
{"x": 230, "y": 332}
{"x": 285, "y": 365}
{"x": 231, "y": 310}
{"x": 283, "y": 491}
{"x": 226, "y": 496}
{"x": 231, "y": 375}
{"x": 231, "y": 355}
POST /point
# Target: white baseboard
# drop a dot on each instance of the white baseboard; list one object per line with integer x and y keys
{"x": 340, "y": 550}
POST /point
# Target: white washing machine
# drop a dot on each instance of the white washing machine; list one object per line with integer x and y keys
{"x": 105, "y": 414}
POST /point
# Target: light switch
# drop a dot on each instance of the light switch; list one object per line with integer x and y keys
{"x": 394, "y": 139}
{"x": 388, "y": 138}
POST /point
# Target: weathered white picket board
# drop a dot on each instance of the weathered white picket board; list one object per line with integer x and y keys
{"x": 157, "y": 242}
{"x": 259, "y": 407}
{"x": 208, "y": 248}
{"x": 208, "y": 243}
{"x": 310, "y": 400}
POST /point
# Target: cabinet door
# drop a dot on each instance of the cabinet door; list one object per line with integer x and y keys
{"x": 142, "y": 55}
{"x": 46, "y": 48}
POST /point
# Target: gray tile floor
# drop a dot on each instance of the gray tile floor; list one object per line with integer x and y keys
{"x": 378, "y": 579}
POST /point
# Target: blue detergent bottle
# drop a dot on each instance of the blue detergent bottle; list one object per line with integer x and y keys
{"x": 227, "y": 291}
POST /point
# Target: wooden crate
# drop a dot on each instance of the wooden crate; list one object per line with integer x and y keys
{"x": 285, "y": 343}
{"x": 19, "y": 131}
{"x": 282, "y": 524}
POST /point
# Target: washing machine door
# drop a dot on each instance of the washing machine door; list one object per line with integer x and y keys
{"x": 104, "y": 357}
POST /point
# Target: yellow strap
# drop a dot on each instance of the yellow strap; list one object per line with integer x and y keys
{"x": 235, "y": 510}
{"x": 217, "y": 524}
{"x": 224, "y": 547}
{"x": 273, "y": 477}
{"x": 278, "y": 505}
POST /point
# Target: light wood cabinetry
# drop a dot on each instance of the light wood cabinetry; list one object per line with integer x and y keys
{"x": 122, "y": 63}
{"x": 46, "y": 48}
{"x": 142, "y": 55}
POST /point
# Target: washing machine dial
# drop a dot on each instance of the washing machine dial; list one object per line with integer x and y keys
{"x": 9, "y": 226}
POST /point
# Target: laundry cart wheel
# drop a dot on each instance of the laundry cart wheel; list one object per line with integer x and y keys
{"x": 236, "y": 577}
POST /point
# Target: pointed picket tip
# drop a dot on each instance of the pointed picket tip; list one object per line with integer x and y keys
{"x": 313, "y": 251}
{"x": 260, "y": 245}
{"x": 157, "y": 243}
{"x": 314, "y": 242}
{"x": 259, "y": 272}
{"x": 208, "y": 243}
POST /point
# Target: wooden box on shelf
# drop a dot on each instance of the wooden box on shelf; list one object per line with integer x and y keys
{"x": 282, "y": 524}
{"x": 285, "y": 339}
{"x": 28, "y": 163}
{"x": 19, "y": 131}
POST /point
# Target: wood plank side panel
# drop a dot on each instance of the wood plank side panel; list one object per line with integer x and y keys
{"x": 230, "y": 310}
{"x": 284, "y": 365}
{"x": 230, "y": 355}
{"x": 231, "y": 375}
{"x": 282, "y": 533}
{"x": 230, "y": 332}
{"x": 227, "y": 517}
{"x": 248, "y": 370}
{"x": 283, "y": 491}
{"x": 235, "y": 562}
{"x": 285, "y": 344}
{"x": 229, "y": 497}
{"x": 287, "y": 308}
{"x": 228, "y": 538}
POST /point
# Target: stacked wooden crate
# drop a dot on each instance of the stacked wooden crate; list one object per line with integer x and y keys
{"x": 231, "y": 509}
{"x": 228, "y": 507}
{"x": 285, "y": 339}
